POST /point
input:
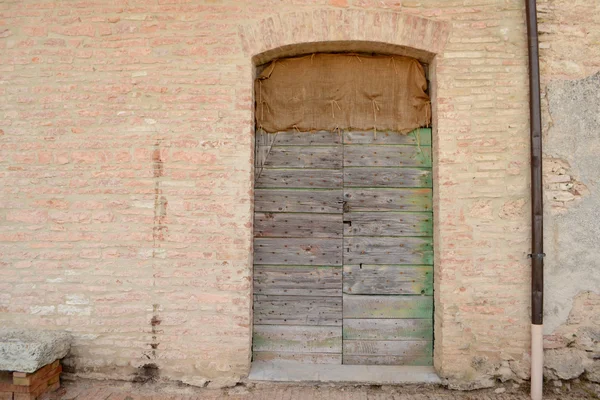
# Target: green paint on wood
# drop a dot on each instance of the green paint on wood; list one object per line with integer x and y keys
{"x": 388, "y": 329}
{"x": 359, "y": 306}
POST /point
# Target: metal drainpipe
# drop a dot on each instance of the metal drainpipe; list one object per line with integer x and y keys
{"x": 537, "y": 216}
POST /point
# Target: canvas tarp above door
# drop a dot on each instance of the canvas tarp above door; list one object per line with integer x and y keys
{"x": 342, "y": 91}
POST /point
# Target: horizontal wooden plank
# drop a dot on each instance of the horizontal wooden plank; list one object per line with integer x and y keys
{"x": 388, "y": 329}
{"x": 388, "y": 199}
{"x": 298, "y": 225}
{"x": 375, "y": 307}
{"x": 420, "y": 136}
{"x": 300, "y": 178}
{"x": 388, "y": 224}
{"x": 388, "y": 250}
{"x": 297, "y": 339}
{"x": 281, "y": 200}
{"x": 303, "y": 251}
{"x": 297, "y": 280}
{"x": 317, "y": 138}
{"x": 303, "y": 358}
{"x": 384, "y": 156}
{"x": 420, "y": 361}
{"x": 387, "y": 177}
{"x": 388, "y": 279}
{"x": 298, "y": 310}
{"x": 387, "y": 347}
{"x": 304, "y": 157}
{"x": 372, "y": 352}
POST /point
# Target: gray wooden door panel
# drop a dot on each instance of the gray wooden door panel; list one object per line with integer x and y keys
{"x": 364, "y": 203}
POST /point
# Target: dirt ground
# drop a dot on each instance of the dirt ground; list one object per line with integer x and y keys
{"x": 83, "y": 389}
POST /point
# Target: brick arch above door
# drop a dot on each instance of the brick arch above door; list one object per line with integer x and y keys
{"x": 289, "y": 34}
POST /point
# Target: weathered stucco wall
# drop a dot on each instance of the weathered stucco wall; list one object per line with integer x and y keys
{"x": 126, "y": 166}
{"x": 570, "y": 61}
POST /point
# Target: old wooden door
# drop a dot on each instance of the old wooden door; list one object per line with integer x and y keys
{"x": 343, "y": 248}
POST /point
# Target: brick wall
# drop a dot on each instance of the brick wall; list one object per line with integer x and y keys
{"x": 126, "y": 166}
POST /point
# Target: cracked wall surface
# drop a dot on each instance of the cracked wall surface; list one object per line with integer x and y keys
{"x": 570, "y": 61}
{"x": 572, "y": 195}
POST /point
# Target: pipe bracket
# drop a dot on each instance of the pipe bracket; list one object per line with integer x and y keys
{"x": 539, "y": 256}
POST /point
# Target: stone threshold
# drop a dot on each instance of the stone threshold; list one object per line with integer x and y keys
{"x": 290, "y": 371}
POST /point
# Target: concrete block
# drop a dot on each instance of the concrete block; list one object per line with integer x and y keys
{"x": 27, "y": 350}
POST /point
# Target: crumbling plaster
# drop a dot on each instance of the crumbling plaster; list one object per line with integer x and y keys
{"x": 571, "y": 231}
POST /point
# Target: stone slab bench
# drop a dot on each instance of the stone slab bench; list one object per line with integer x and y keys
{"x": 30, "y": 362}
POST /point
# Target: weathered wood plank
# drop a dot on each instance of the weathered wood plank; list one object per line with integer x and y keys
{"x": 300, "y": 178}
{"x": 388, "y": 329}
{"x": 281, "y": 200}
{"x": 298, "y": 310}
{"x": 388, "y": 224}
{"x": 297, "y": 225}
{"x": 319, "y": 138}
{"x": 387, "y": 200}
{"x": 388, "y": 279}
{"x": 356, "y": 306}
{"x": 303, "y": 358}
{"x": 420, "y": 136}
{"x": 418, "y": 361}
{"x": 262, "y": 144}
{"x": 384, "y": 156}
{"x": 298, "y": 339}
{"x": 387, "y": 177}
{"x": 386, "y": 347}
{"x": 304, "y": 157}
{"x": 373, "y": 352}
{"x": 297, "y": 281}
{"x": 303, "y": 251}
{"x": 386, "y": 250}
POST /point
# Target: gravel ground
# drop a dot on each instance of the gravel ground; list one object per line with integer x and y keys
{"x": 83, "y": 389}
